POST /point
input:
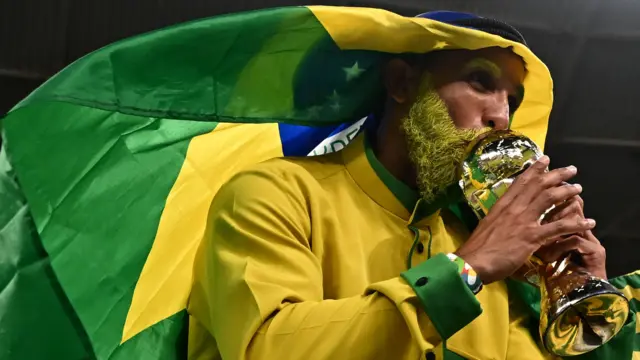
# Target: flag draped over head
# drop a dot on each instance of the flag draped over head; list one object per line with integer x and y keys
{"x": 108, "y": 169}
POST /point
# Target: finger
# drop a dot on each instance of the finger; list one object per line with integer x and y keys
{"x": 531, "y": 186}
{"x": 547, "y": 232}
{"x": 555, "y": 251}
{"x": 586, "y": 252}
{"x": 559, "y": 176}
{"x": 553, "y": 196}
{"x": 591, "y": 252}
{"x": 586, "y": 247}
{"x": 577, "y": 244}
{"x": 570, "y": 207}
{"x": 522, "y": 182}
{"x": 554, "y": 178}
{"x": 581, "y": 202}
{"x": 589, "y": 236}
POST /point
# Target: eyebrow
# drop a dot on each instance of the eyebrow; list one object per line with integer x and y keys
{"x": 484, "y": 64}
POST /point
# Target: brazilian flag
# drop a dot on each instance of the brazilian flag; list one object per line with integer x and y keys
{"x": 107, "y": 170}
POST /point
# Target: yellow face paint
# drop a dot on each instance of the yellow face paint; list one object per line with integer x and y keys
{"x": 483, "y": 64}
{"x": 496, "y": 72}
{"x": 436, "y": 145}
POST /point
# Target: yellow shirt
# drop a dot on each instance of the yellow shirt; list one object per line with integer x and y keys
{"x": 309, "y": 261}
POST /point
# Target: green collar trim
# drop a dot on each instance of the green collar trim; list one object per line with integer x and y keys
{"x": 406, "y": 195}
{"x": 451, "y": 199}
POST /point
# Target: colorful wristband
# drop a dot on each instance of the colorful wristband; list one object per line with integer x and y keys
{"x": 468, "y": 275}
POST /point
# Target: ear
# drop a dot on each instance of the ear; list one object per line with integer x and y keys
{"x": 400, "y": 80}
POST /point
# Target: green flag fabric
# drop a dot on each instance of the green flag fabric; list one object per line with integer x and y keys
{"x": 107, "y": 170}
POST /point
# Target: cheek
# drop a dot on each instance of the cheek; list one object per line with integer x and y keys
{"x": 464, "y": 104}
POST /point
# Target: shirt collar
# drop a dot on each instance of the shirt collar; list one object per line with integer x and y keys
{"x": 394, "y": 195}
{"x": 405, "y": 194}
{"x": 362, "y": 172}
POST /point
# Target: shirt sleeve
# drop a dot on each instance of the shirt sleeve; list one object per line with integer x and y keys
{"x": 261, "y": 285}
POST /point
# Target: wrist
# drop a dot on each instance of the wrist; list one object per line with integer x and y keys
{"x": 478, "y": 266}
{"x": 468, "y": 274}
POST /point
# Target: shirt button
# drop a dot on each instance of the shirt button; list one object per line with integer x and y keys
{"x": 420, "y": 248}
{"x": 422, "y": 281}
{"x": 430, "y": 356}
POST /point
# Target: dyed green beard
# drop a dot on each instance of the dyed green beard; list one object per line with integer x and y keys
{"x": 436, "y": 145}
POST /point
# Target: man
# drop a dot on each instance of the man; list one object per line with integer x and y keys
{"x": 367, "y": 253}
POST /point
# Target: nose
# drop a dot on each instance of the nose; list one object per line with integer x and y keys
{"x": 496, "y": 114}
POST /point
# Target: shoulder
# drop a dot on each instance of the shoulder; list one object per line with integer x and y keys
{"x": 275, "y": 196}
{"x": 310, "y": 167}
{"x": 280, "y": 180}
{"x": 303, "y": 173}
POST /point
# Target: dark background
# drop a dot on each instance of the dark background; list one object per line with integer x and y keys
{"x": 592, "y": 48}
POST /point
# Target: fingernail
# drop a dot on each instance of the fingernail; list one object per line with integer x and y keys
{"x": 572, "y": 169}
{"x": 544, "y": 160}
{"x": 590, "y": 222}
{"x": 578, "y": 186}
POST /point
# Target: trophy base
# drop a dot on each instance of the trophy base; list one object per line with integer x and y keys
{"x": 584, "y": 318}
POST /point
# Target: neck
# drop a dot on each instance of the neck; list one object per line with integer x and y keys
{"x": 391, "y": 150}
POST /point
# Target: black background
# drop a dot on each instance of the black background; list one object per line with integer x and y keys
{"x": 592, "y": 48}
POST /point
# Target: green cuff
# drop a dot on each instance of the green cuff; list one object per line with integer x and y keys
{"x": 445, "y": 297}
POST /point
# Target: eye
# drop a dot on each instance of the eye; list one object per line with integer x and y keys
{"x": 482, "y": 81}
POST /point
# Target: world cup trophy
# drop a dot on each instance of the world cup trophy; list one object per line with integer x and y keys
{"x": 579, "y": 312}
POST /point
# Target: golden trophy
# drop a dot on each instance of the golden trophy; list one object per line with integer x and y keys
{"x": 579, "y": 312}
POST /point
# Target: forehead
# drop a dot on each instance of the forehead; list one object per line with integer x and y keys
{"x": 502, "y": 62}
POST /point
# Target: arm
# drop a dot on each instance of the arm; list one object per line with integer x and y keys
{"x": 262, "y": 285}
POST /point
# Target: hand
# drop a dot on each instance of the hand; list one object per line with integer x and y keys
{"x": 592, "y": 253}
{"x": 572, "y": 207}
{"x": 512, "y": 231}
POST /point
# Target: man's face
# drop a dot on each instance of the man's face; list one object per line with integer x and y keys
{"x": 481, "y": 88}
{"x": 459, "y": 95}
